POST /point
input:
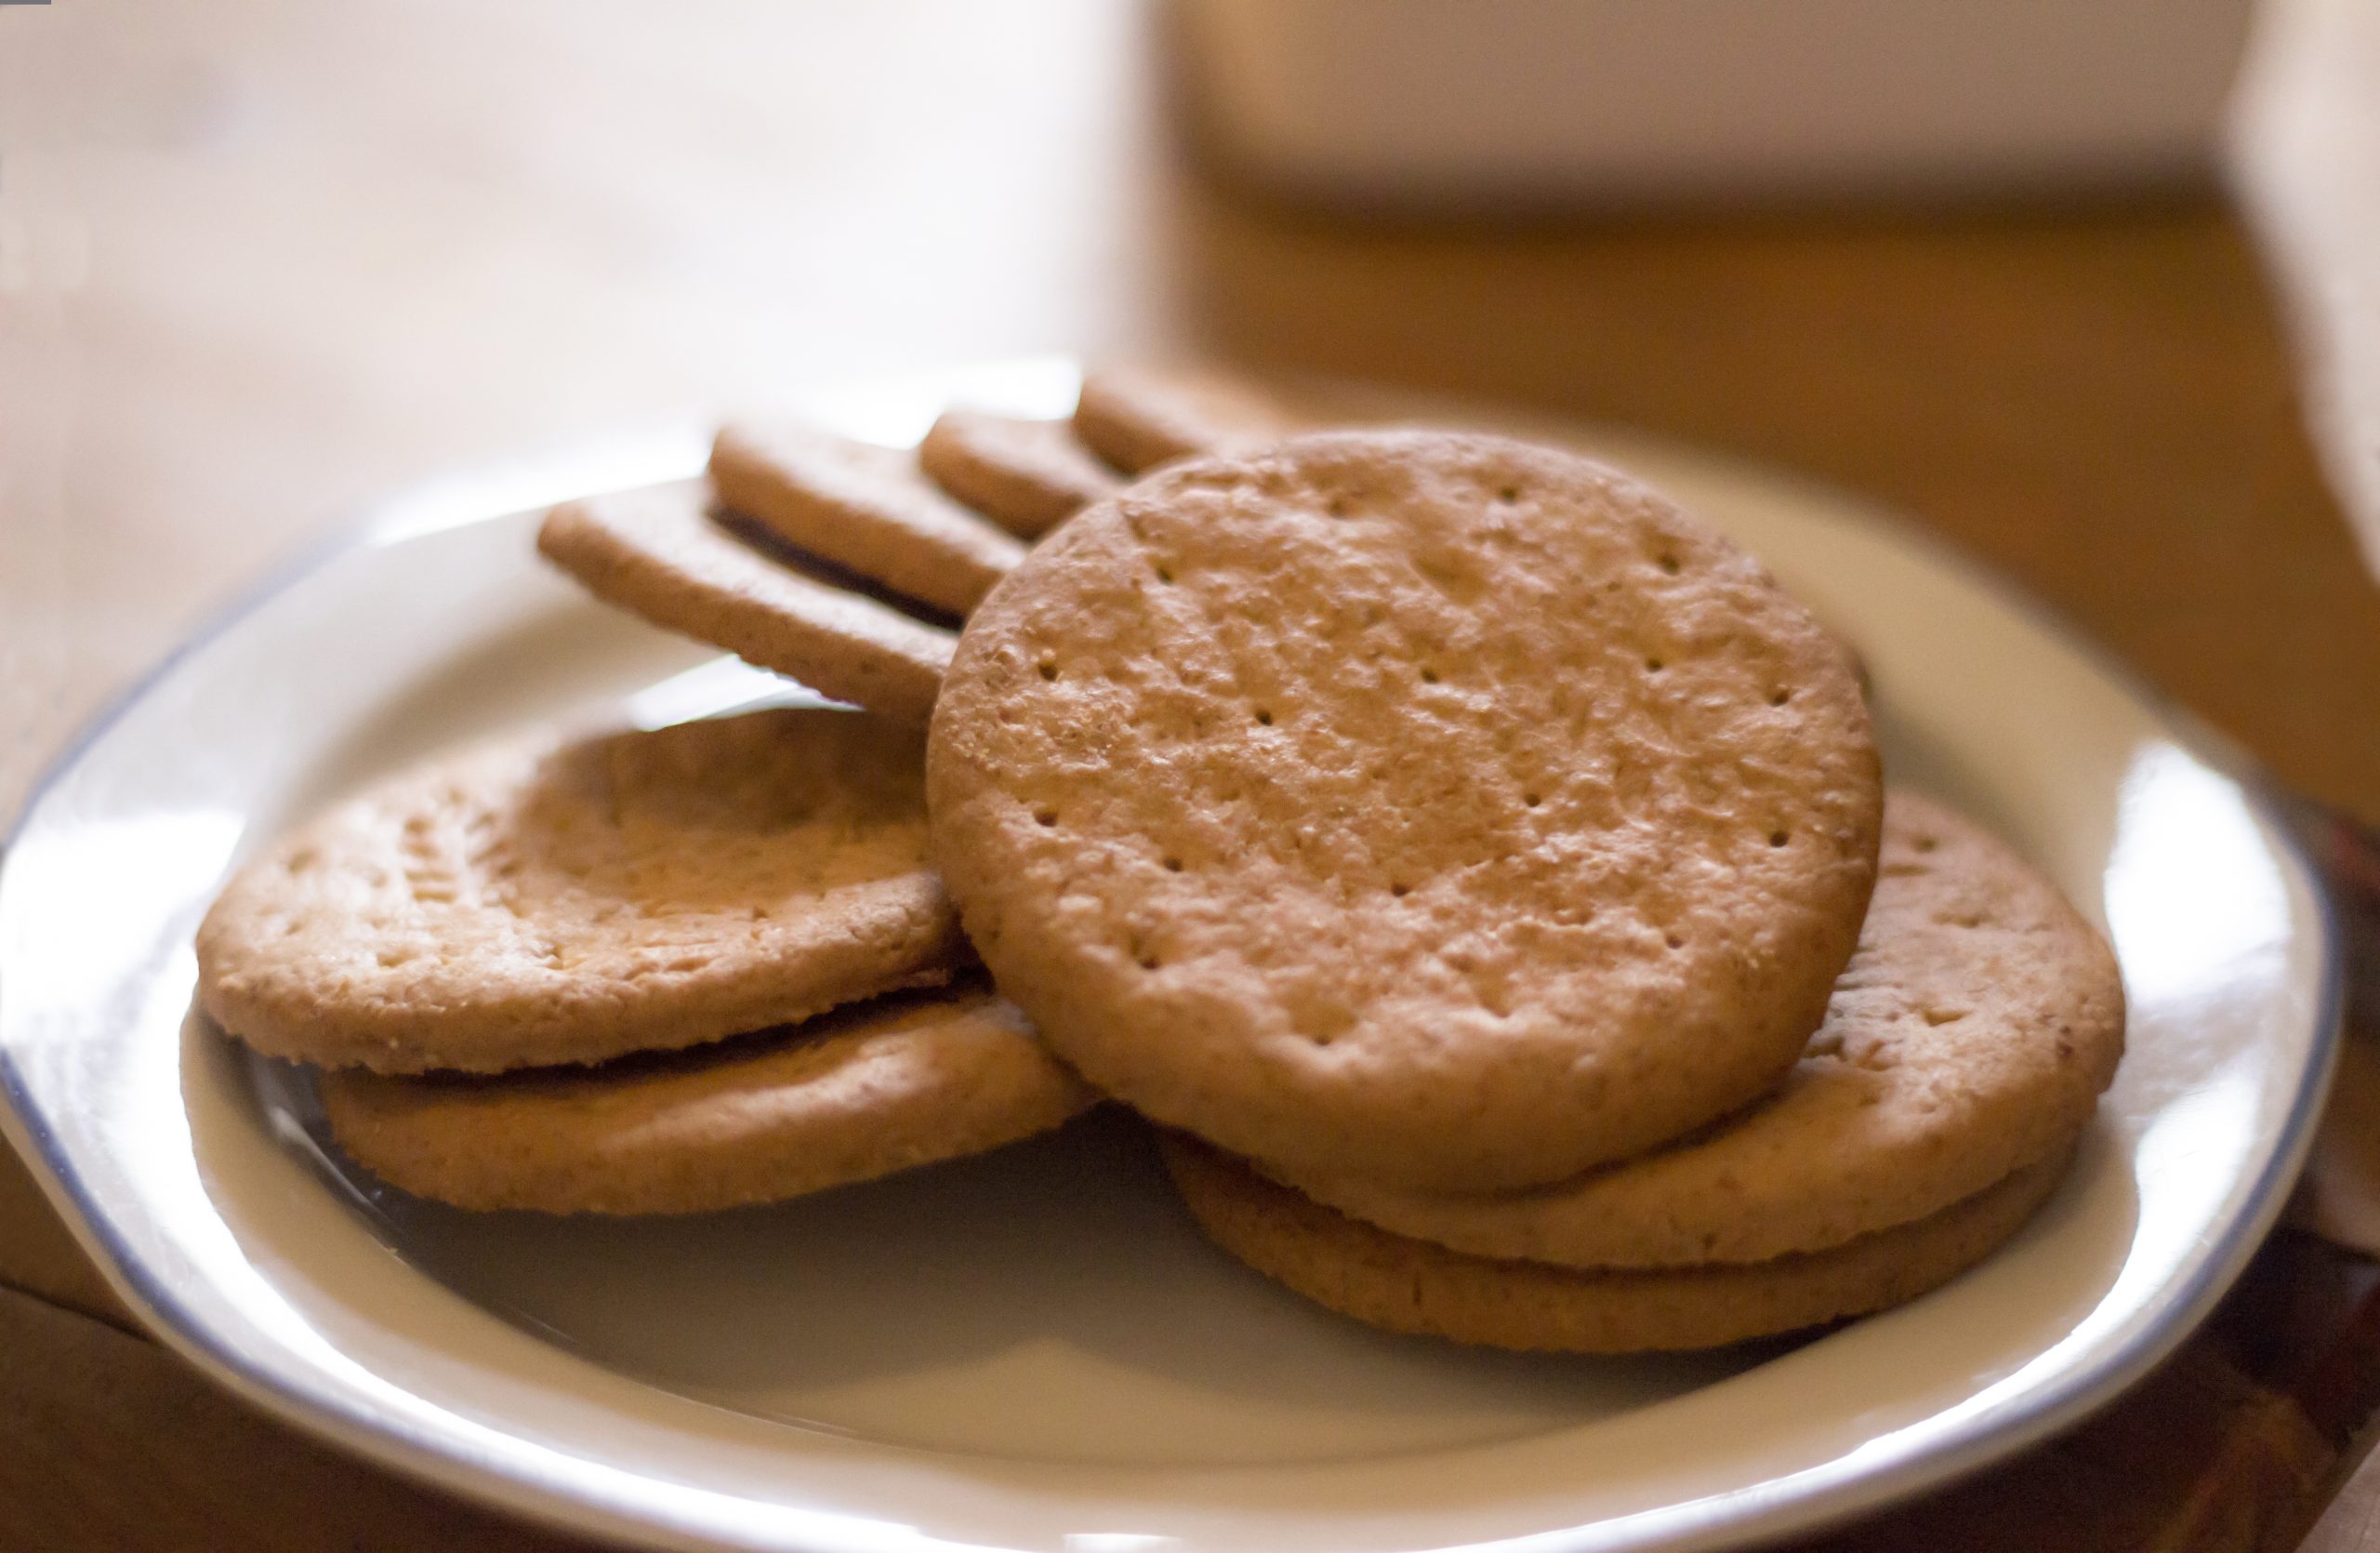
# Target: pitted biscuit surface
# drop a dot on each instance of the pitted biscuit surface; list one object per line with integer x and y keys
{"x": 1971, "y": 1034}
{"x": 1441, "y": 809}
{"x": 525, "y": 903}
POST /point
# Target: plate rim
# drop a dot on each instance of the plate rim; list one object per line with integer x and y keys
{"x": 491, "y": 491}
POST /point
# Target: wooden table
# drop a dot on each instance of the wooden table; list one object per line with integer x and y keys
{"x": 259, "y": 259}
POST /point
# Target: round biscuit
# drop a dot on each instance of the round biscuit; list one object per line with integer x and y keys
{"x": 1138, "y": 418}
{"x": 1971, "y": 1034}
{"x": 858, "y": 1094}
{"x": 1441, "y": 809}
{"x": 657, "y": 553}
{"x": 1416, "y": 1287}
{"x": 1028, "y": 476}
{"x": 525, "y": 903}
{"x": 863, "y": 507}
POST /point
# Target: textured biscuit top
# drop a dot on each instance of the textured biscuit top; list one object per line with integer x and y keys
{"x": 1028, "y": 476}
{"x": 1443, "y": 809}
{"x": 1137, "y": 418}
{"x": 864, "y": 1092}
{"x": 525, "y": 904}
{"x": 1970, "y": 1036}
{"x": 658, "y": 554}
{"x": 864, "y": 507}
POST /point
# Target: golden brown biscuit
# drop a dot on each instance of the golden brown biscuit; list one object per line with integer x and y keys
{"x": 1028, "y": 476}
{"x": 1414, "y": 1286}
{"x": 525, "y": 904}
{"x": 1970, "y": 1035}
{"x": 658, "y": 554}
{"x": 858, "y": 1094}
{"x": 866, "y": 508}
{"x": 1441, "y": 809}
{"x": 1137, "y": 418}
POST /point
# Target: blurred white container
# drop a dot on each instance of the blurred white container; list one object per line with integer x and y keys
{"x": 1537, "y": 102}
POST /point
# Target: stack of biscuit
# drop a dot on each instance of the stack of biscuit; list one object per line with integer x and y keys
{"x": 706, "y": 966}
{"x": 1480, "y": 870}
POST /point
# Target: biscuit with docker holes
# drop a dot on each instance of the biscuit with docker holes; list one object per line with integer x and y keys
{"x": 657, "y": 553}
{"x": 858, "y": 1094}
{"x": 1971, "y": 1034}
{"x": 1028, "y": 476}
{"x": 1440, "y": 809}
{"x": 863, "y": 507}
{"x": 1416, "y": 1287}
{"x": 529, "y": 903}
{"x": 1139, "y": 418}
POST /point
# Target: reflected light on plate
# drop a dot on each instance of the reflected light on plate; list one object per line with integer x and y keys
{"x": 2199, "y": 915}
{"x": 714, "y": 689}
{"x": 613, "y": 462}
{"x": 2198, "y": 912}
{"x": 93, "y": 881}
{"x": 2190, "y": 890}
{"x": 2203, "y": 1131}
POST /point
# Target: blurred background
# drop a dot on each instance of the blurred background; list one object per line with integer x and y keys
{"x": 260, "y": 259}
{"x": 2089, "y": 287}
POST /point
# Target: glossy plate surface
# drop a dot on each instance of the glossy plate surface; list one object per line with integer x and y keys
{"x": 1035, "y": 1350}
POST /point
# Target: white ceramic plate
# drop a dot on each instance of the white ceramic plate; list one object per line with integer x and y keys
{"x": 1035, "y": 1350}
